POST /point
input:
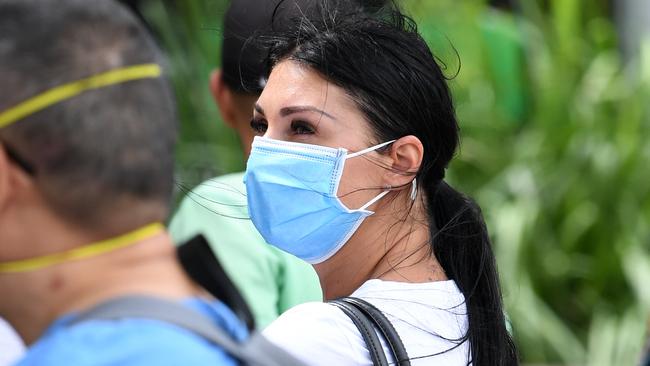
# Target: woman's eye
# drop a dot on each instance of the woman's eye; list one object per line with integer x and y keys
{"x": 302, "y": 128}
{"x": 259, "y": 125}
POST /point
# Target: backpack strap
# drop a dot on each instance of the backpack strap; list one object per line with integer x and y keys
{"x": 256, "y": 351}
{"x": 201, "y": 264}
{"x": 367, "y": 331}
{"x": 375, "y": 318}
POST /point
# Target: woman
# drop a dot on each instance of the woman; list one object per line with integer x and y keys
{"x": 356, "y": 128}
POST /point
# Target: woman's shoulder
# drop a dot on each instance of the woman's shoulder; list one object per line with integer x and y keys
{"x": 319, "y": 334}
{"x": 429, "y": 317}
{"x": 313, "y": 310}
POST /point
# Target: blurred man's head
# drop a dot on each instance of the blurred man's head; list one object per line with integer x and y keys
{"x": 87, "y": 134}
{"x": 101, "y": 160}
{"x": 241, "y": 78}
{"x": 237, "y": 85}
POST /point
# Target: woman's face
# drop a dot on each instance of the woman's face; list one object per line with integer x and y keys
{"x": 298, "y": 105}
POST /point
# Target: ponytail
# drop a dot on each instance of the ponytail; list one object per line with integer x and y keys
{"x": 462, "y": 247}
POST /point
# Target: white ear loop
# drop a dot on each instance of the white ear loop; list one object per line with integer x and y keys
{"x": 414, "y": 189}
{"x": 371, "y": 148}
{"x": 377, "y": 198}
{"x": 382, "y": 194}
{"x": 414, "y": 192}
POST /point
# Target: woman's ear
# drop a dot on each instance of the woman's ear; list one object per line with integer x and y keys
{"x": 406, "y": 156}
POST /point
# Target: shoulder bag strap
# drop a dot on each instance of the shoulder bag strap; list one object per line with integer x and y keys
{"x": 257, "y": 351}
{"x": 367, "y": 331}
{"x": 385, "y": 327}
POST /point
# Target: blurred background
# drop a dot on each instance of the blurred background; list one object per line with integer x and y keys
{"x": 553, "y": 97}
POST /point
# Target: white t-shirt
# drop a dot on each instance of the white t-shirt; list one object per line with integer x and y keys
{"x": 428, "y": 317}
{"x": 11, "y": 347}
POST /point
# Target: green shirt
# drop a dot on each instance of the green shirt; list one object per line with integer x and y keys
{"x": 270, "y": 280}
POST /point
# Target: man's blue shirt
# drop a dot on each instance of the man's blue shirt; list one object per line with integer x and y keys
{"x": 134, "y": 341}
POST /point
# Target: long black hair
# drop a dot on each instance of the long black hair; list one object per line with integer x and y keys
{"x": 377, "y": 56}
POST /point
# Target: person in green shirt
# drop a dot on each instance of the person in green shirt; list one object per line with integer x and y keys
{"x": 270, "y": 280}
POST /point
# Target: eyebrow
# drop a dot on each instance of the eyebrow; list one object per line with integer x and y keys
{"x": 296, "y": 109}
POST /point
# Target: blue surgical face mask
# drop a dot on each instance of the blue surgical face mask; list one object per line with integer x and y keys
{"x": 292, "y": 199}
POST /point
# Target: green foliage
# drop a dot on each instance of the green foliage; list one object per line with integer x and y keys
{"x": 190, "y": 32}
{"x": 561, "y": 174}
{"x": 556, "y": 131}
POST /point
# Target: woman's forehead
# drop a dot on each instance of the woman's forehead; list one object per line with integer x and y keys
{"x": 291, "y": 83}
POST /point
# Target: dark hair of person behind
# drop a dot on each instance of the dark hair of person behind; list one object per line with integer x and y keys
{"x": 242, "y": 61}
{"x": 386, "y": 67}
{"x": 242, "y": 58}
{"x": 105, "y": 146}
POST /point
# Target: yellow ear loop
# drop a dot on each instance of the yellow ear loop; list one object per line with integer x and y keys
{"x": 86, "y": 251}
{"x": 69, "y": 90}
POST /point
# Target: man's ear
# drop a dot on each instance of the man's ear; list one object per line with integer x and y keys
{"x": 12, "y": 177}
{"x": 4, "y": 176}
{"x": 406, "y": 156}
{"x": 223, "y": 97}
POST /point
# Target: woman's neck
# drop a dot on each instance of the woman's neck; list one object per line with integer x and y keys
{"x": 393, "y": 244}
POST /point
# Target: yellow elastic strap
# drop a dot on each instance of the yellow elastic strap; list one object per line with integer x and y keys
{"x": 86, "y": 251}
{"x": 69, "y": 90}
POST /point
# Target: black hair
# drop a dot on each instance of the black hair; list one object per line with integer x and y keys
{"x": 242, "y": 55}
{"x": 388, "y": 70}
{"x": 106, "y": 146}
{"x": 242, "y": 61}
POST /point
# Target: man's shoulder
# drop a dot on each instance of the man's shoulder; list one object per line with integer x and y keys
{"x": 124, "y": 342}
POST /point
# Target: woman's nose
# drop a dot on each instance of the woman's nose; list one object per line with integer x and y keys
{"x": 274, "y": 132}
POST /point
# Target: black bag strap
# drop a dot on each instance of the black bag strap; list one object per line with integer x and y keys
{"x": 379, "y": 320}
{"x": 367, "y": 331}
{"x": 385, "y": 327}
{"x": 256, "y": 351}
{"x": 201, "y": 264}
